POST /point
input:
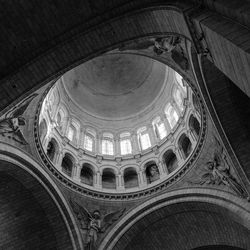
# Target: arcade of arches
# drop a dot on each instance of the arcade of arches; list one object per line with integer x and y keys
{"x": 124, "y": 125}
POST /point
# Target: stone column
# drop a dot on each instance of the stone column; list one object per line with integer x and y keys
{"x": 142, "y": 178}
{"x": 117, "y": 151}
{"x": 76, "y": 172}
{"x": 134, "y": 142}
{"x": 98, "y": 180}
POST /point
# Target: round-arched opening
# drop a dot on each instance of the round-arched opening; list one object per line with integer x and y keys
{"x": 67, "y": 164}
{"x": 43, "y": 130}
{"x": 108, "y": 178}
{"x": 130, "y": 178}
{"x": 152, "y": 172}
{"x": 194, "y": 126}
{"x": 52, "y": 149}
{"x": 87, "y": 174}
{"x": 170, "y": 160}
{"x": 195, "y": 102}
{"x": 185, "y": 145}
{"x": 154, "y": 226}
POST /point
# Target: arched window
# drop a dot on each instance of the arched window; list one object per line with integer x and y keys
{"x": 159, "y": 128}
{"x": 88, "y": 142}
{"x": 195, "y": 102}
{"x": 178, "y": 97}
{"x": 107, "y": 144}
{"x": 194, "y": 125}
{"x": 67, "y": 164}
{"x": 185, "y": 145}
{"x": 180, "y": 81}
{"x": 171, "y": 115}
{"x": 58, "y": 119}
{"x": 52, "y": 149}
{"x": 108, "y": 178}
{"x": 72, "y": 133}
{"x": 43, "y": 129}
{"x": 170, "y": 160}
{"x": 86, "y": 175}
{"x": 125, "y": 144}
{"x": 130, "y": 178}
{"x": 152, "y": 172}
{"x": 143, "y": 138}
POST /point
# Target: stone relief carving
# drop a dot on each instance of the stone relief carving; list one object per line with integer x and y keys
{"x": 172, "y": 44}
{"x": 218, "y": 172}
{"x": 94, "y": 223}
{"x": 10, "y": 124}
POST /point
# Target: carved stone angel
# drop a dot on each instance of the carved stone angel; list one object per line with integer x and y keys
{"x": 94, "y": 223}
{"x": 10, "y": 124}
{"x": 218, "y": 172}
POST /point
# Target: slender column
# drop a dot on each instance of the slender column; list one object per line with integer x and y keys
{"x": 134, "y": 141}
{"x": 98, "y": 180}
{"x": 179, "y": 155}
{"x": 98, "y": 144}
{"x": 117, "y": 146}
{"x": 162, "y": 170}
{"x": 142, "y": 178}
{"x": 192, "y": 138}
{"x": 76, "y": 173}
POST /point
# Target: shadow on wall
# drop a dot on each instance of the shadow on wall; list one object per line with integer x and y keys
{"x": 24, "y": 224}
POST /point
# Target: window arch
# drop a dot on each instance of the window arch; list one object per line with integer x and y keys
{"x": 87, "y": 174}
{"x": 171, "y": 115}
{"x": 68, "y": 164}
{"x": 178, "y": 98}
{"x": 152, "y": 172}
{"x": 52, "y": 149}
{"x": 43, "y": 129}
{"x": 195, "y": 102}
{"x": 194, "y": 125}
{"x": 88, "y": 142}
{"x": 170, "y": 160}
{"x": 143, "y": 138}
{"x": 59, "y": 119}
{"x": 125, "y": 143}
{"x": 130, "y": 178}
{"x": 108, "y": 178}
{"x": 108, "y": 144}
{"x": 72, "y": 133}
{"x": 185, "y": 145}
{"x": 159, "y": 128}
{"x": 180, "y": 82}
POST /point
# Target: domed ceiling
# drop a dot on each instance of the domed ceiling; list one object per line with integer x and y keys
{"x": 115, "y": 85}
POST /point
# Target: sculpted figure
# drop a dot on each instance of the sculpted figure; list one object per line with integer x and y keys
{"x": 94, "y": 223}
{"x": 218, "y": 173}
{"x": 13, "y": 120}
{"x": 166, "y": 44}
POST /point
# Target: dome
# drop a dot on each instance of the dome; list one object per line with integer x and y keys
{"x": 120, "y": 123}
{"x": 115, "y": 85}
